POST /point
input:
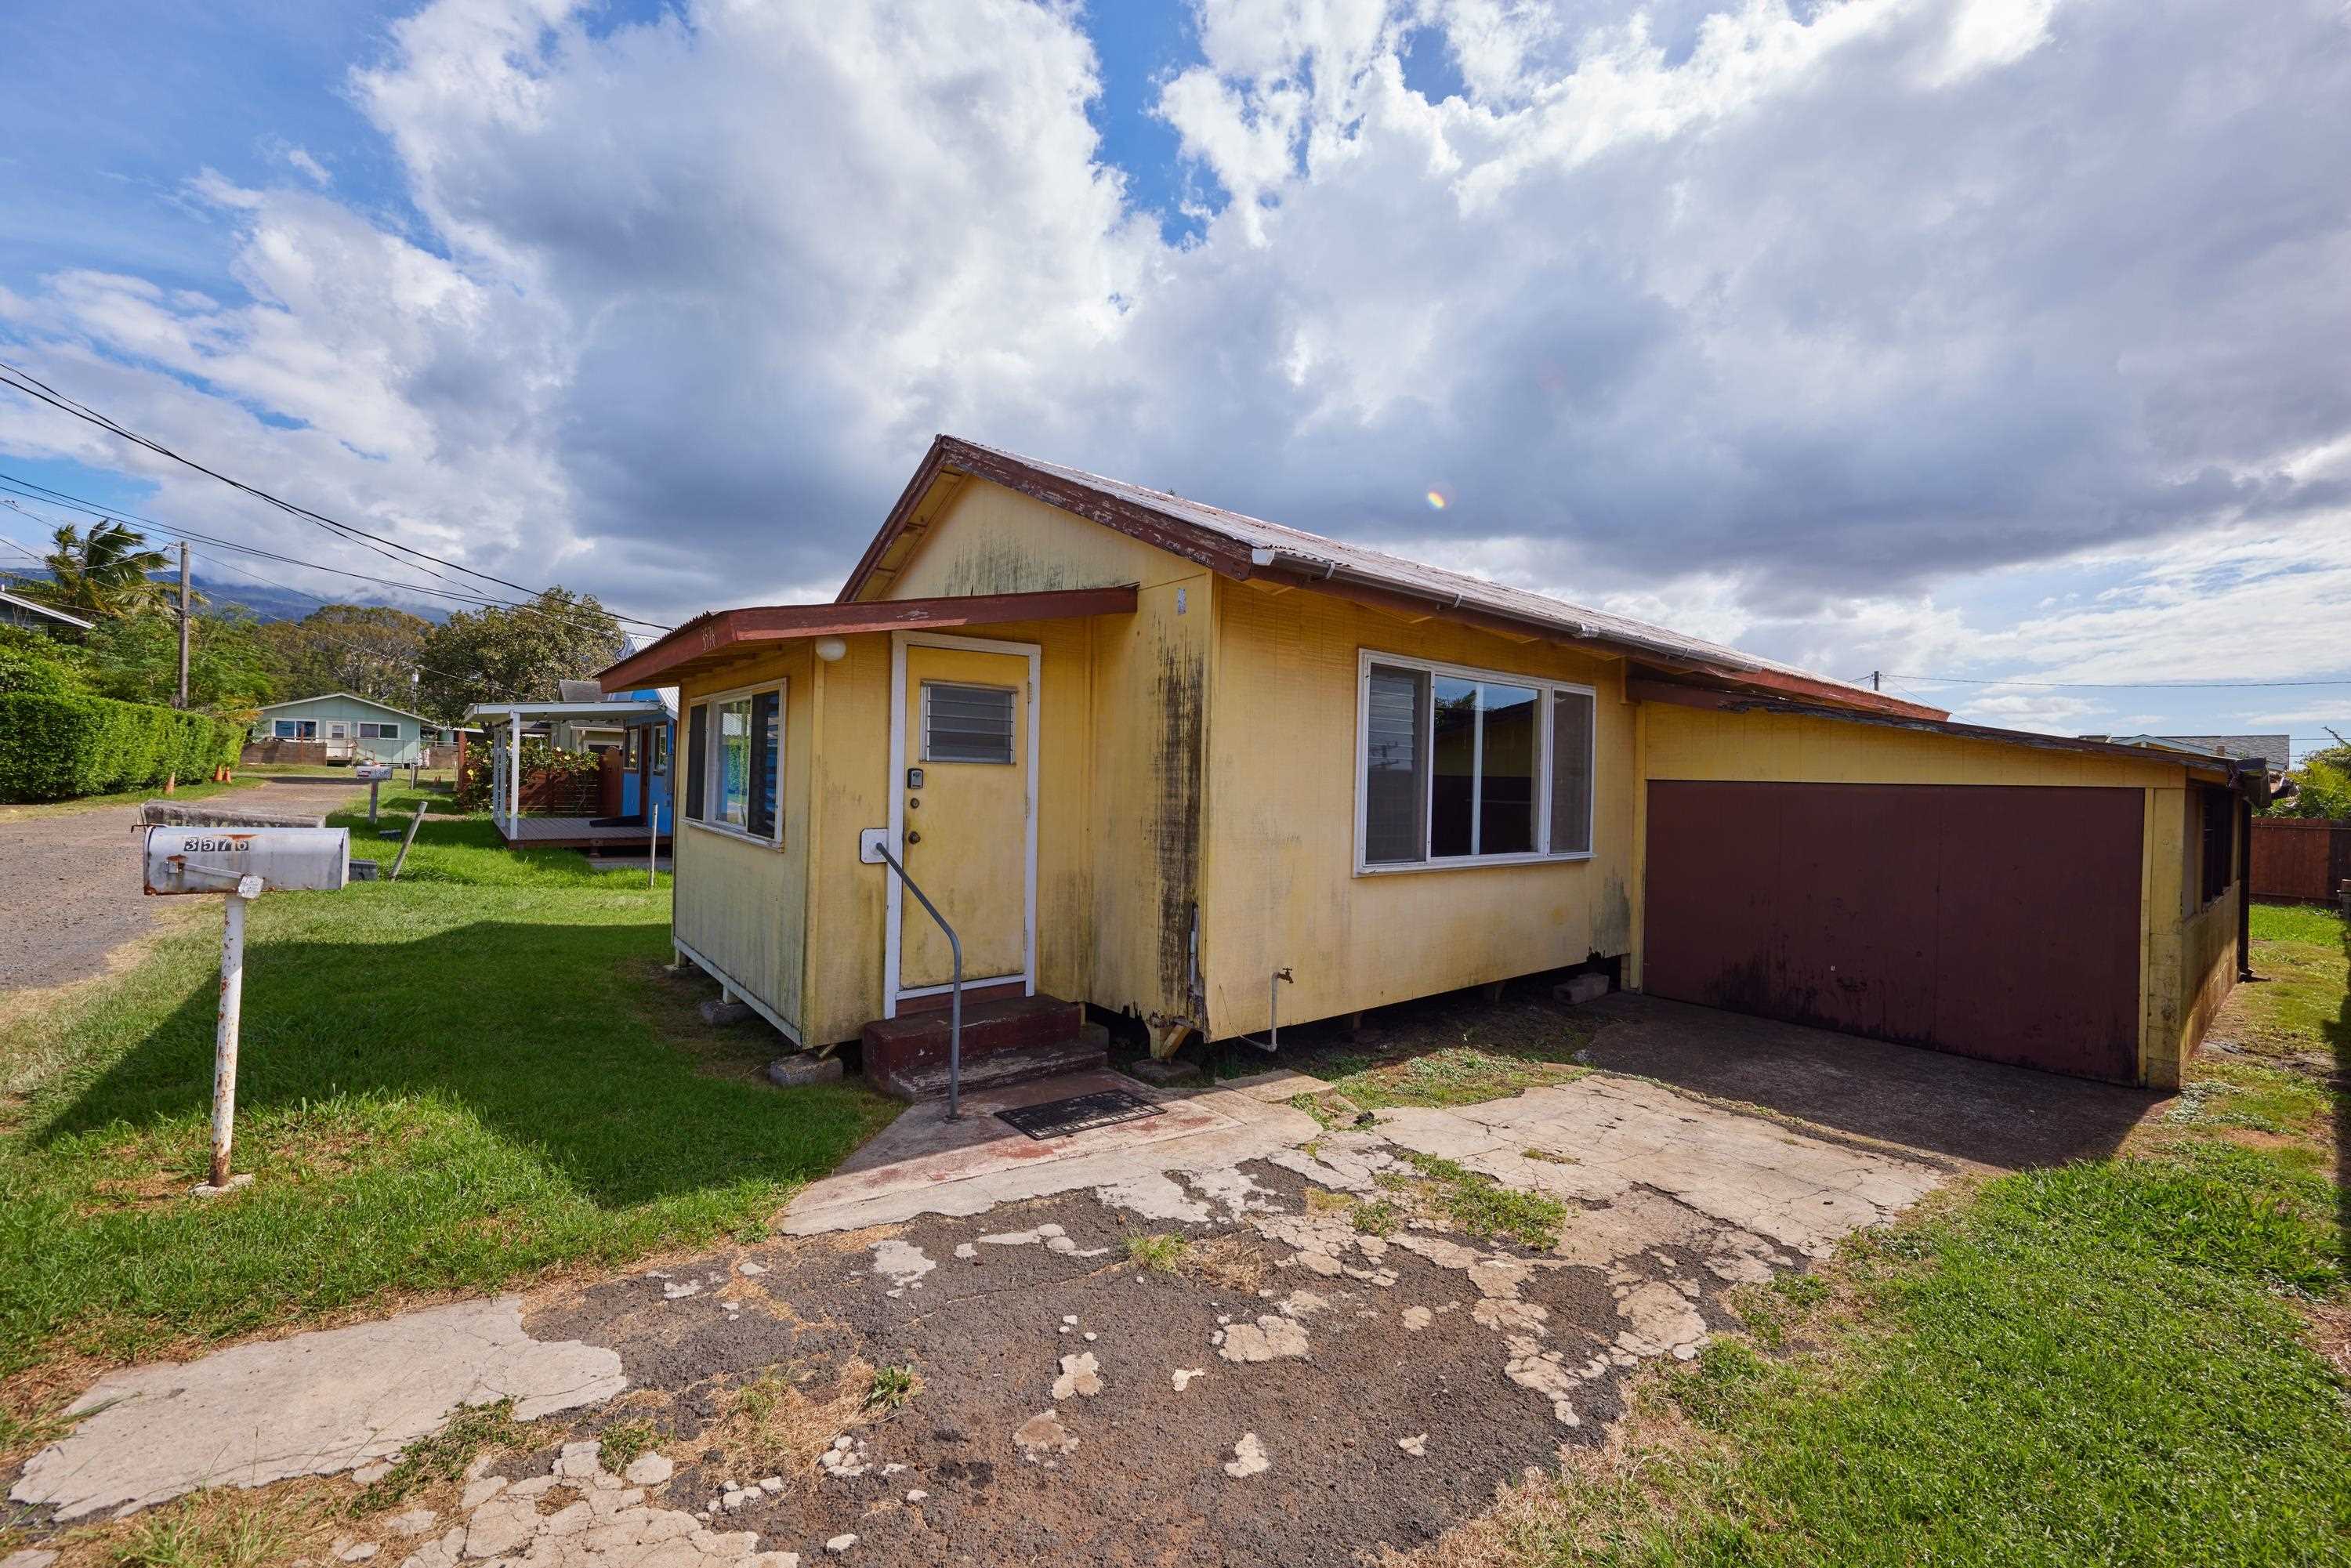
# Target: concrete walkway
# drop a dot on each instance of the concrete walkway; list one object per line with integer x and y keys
{"x": 1084, "y": 1396}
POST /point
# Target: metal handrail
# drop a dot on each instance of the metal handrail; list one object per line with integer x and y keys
{"x": 954, "y": 1003}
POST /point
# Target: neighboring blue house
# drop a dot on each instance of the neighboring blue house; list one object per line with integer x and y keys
{"x": 637, "y": 733}
{"x": 354, "y": 729}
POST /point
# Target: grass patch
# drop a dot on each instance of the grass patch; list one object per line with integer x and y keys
{"x": 445, "y": 1087}
{"x": 443, "y": 1457}
{"x": 223, "y": 1528}
{"x": 203, "y": 790}
{"x": 1162, "y": 1254}
{"x": 1376, "y": 1216}
{"x": 624, "y": 1441}
{"x": 1484, "y": 1207}
{"x": 2298, "y": 1009}
{"x": 456, "y": 847}
{"x": 1453, "y": 1074}
{"x": 889, "y": 1389}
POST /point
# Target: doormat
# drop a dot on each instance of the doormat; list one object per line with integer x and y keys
{"x": 1079, "y": 1112}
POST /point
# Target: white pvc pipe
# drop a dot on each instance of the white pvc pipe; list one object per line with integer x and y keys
{"x": 231, "y": 1008}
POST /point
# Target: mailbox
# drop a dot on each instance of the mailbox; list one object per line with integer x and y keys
{"x": 373, "y": 772}
{"x": 216, "y": 859}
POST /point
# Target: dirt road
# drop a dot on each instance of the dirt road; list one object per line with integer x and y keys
{"x": 70, "y": 889}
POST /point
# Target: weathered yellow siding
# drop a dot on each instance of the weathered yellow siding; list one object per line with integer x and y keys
{"x": 1119, "y": 730}
{"x": 1281, "y": 888}
{"x": 2189, "y": 956}
{"x": 742, "y": 906}
{"x": 2191, "y": 946}
{"x": 849, "y": 791}
{"x": 1701, "y": 743}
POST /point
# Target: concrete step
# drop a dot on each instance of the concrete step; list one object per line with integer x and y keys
{"x": 1003, "y": 1042}
{"x": 994, "y": 1069}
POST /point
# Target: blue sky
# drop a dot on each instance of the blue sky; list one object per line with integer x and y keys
{"x": 1986, "y": 338}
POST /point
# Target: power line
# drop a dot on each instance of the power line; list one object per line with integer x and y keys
{"x": 31, "y": 386}
{"x": 46, "y": 496}
{"x": 2129, "y": 686}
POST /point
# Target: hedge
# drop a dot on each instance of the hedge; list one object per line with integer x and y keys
{"x": 59, "y": 747}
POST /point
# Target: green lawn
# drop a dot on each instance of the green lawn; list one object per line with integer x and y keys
{"x": 453, "y": 1082}
{"x": 2107, "y": 1362}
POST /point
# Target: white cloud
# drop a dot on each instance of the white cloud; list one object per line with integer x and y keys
{"x": 1818, "y": 326}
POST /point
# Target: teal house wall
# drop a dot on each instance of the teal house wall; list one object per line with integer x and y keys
{"x": 322, "y": 714}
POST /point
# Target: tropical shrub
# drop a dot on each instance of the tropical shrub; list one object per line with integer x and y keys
{"x": 61, "y": 746}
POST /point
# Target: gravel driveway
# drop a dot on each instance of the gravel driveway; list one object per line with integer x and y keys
{"x": 69, "y": 884}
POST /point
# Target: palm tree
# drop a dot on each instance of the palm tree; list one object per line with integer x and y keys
{"x": 104, "y": 572}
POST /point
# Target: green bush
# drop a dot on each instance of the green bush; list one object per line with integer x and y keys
{"x": 58, "y": 747}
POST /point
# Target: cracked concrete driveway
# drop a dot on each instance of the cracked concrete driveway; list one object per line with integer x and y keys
{"x": 1329, "y": 1363}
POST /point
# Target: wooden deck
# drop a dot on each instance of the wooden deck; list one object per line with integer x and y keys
{"x": 574, "y": 834}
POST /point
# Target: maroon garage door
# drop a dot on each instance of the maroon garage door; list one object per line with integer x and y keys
{"x": 1991, "y": 921}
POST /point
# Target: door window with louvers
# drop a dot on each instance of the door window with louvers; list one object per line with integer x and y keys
{"x": 967, "y": 723}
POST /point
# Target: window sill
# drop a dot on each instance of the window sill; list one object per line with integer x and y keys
{"x": 1469, "y": 863}
{"x": 720, "y": 829}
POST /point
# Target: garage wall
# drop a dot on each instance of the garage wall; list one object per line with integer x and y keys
{"x": 1893, "y": 911}
{"x": 2186, "y": 956}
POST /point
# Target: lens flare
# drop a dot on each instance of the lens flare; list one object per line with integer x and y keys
{"x": 1436, "y": 501}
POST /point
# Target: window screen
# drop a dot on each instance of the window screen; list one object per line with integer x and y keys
{"x": 2218, "y": 845}
{"x": 1570, "y": 773}
{"x": 1396, "y": 776}
{"x": 698, "y": 745}
{"x": 730, "y": 801}
{"x": 967, "y": 723}
{"x": 767, "y": 756}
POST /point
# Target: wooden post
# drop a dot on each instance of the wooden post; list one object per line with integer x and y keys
{"x": 182, "y": 701}
{"x": 514, "y": 770}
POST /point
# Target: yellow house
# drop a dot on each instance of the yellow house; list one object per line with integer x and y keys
{"x": 1216, "y": 775}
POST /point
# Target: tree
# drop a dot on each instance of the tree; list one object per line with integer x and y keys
{"x": 515, "y": 656}
{"x": 2321, "y": 785}
{"x": 104, "y": 572}
{"x": 136, "y": 658}
{"x": 371, "y": 650}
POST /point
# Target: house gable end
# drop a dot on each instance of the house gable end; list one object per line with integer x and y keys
{"x": 978, "y": 538}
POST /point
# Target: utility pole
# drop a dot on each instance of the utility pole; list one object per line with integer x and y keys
{"x": 183, "y": 701}
{"x": 1872, "y": 680}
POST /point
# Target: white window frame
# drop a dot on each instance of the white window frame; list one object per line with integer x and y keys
{"x": 710, "y": 753}
{"x": 380, "y": 727}
{"x": 1547, "y": 690}
{"x": 296, "y": 725}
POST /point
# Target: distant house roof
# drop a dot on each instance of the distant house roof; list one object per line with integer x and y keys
{"x": 35, "y": 606}
{"x": 2276, "y": 750}
{"x": 616, "y": 711}
{"x": 354, "y": 696}
{"x": 1238, "y": 546}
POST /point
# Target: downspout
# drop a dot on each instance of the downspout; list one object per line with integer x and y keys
{"x": 2245, "y": 878}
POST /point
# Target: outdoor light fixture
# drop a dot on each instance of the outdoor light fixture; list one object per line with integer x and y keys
{"x": 831, "y": 649}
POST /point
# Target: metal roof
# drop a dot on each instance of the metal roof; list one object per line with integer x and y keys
{"x": 625, "y": 714}
{"x": 324, "y": 696}
{"x": 1240, "y": 546}
{"x": 37, "y": 608}
{"x": 715, "y": 637}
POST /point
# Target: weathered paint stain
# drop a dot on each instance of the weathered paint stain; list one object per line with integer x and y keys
{"x": 1612, "y": 919}
{"x": 1177, "y": 691}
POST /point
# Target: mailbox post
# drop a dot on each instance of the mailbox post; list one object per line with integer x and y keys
{"x": 244, "y": 863}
